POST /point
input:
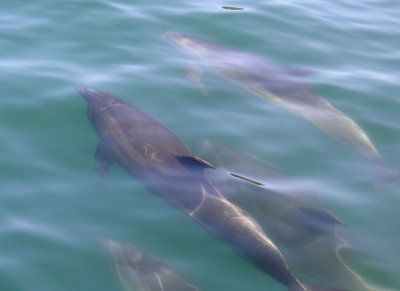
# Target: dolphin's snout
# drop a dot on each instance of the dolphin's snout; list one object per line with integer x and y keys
{"x": 165, "y": 34}
{"x": 86, "y": 92}
{"x": 80, "y": 89}
{"x": 83, "y": 91}
{"x": 172, "y": 36}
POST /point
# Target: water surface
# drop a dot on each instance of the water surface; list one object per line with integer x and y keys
{"x": 53, "y": 205}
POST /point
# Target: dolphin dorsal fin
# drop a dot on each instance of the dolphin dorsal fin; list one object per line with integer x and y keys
{"x": 194, "y": 163}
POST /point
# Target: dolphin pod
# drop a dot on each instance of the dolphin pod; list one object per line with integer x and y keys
{"x": 139, "y": 271}
{"x": 290, "y": 212}
{"x": 152, "y": 153}
{"x": 286, "y": 87}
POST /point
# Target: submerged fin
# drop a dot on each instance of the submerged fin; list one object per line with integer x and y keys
{"x": 194, "y": 163}
{"x": 195, "y": 73}
{"x": 320, "y": 219}
{"x": 103, "y": 160}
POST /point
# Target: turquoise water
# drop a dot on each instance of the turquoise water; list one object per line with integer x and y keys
{"x": 53, "y": 206}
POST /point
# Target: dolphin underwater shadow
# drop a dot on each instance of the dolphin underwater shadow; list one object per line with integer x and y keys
{"x": 290, "y": 212}
{"x": 155, "y": 155}
{"x": 137, "y": 270}
{"x": 286, "y": 87}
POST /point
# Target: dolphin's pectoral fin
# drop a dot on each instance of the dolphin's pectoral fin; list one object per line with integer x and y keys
{"x": 194, "y": 73}
{"x": 194, "y": 163}
{"x": 319, "y": 219}
{"x": 103, "y": 160}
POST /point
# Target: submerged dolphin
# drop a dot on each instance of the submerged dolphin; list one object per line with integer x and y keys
{"x": 290, "y": 212}
{"x": 138, "y": 271}
{"x": 154, "y": 154}
{"x": 286, "y": 87}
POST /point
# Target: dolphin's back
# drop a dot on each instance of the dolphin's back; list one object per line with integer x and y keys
{"x": 137, "y": 139}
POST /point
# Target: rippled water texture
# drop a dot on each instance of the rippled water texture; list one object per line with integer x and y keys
{"x": 54, "y": 206}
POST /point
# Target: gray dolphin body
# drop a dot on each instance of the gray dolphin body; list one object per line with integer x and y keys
{"x": 139, "y": 271}
{"x": 283, "y": 86}
{"x": 155, "y": 155}
{"x": 290, "y": 212}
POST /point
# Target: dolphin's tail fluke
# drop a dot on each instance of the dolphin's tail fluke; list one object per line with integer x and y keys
{"x": 384, "y": 177}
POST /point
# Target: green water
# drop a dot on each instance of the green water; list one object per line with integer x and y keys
{"x": 53, "y": 206}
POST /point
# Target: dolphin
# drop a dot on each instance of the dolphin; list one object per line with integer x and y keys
{"x": 155, "y": 155}
{"x": 139, "y": 271}
{"x": 288, "y": 209}
{"x": 283, "y": 86}
{"x": 290, "y": 212}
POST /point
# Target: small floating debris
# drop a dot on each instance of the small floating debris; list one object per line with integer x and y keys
{"x": 248, "y": 180}
{"x": 232, "y": 8}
